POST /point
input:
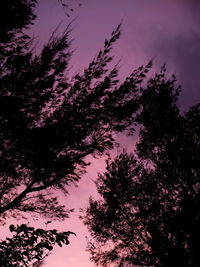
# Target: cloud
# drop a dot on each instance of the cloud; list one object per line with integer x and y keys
{"x": 170, "y": 32}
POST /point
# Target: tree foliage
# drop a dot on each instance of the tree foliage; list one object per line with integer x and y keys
{"x": 148, "y": 214}
{"x": 50, "y": 123}
{"x": 69, "y": 6}
{"x": 29, "y": 246}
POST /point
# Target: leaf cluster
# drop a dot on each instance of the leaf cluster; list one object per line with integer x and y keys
{"x": 29, "y": 245}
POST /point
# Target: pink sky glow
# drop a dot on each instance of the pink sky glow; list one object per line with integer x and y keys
{"x": 167, "y": 30}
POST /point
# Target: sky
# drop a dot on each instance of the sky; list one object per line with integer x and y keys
{"x": 167, "y": 31}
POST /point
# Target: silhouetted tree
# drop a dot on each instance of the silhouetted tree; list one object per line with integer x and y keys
{"x": 148, "y": 213}
{"x": 29, "y": 246}
{"x": 50, "y": 124}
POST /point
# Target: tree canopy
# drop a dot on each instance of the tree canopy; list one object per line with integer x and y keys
{"x": 50, "y": 123}
{"x": 148, "y": 213}
{"x": 29, "y": 246}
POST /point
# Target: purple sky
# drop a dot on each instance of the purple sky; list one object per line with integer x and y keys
{"x": 167, "y": 30}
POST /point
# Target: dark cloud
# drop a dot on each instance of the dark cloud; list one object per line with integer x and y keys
{"x": 183, "y": 52}
{"x": 170, "y": 32}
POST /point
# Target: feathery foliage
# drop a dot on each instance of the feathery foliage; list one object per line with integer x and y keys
{"x": 148, "y": 214}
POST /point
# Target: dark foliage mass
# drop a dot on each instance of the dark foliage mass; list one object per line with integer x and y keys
{"x": 29, "y": 246}
{"x": 149, "y": 214}
{"x": 49, "y": 123}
